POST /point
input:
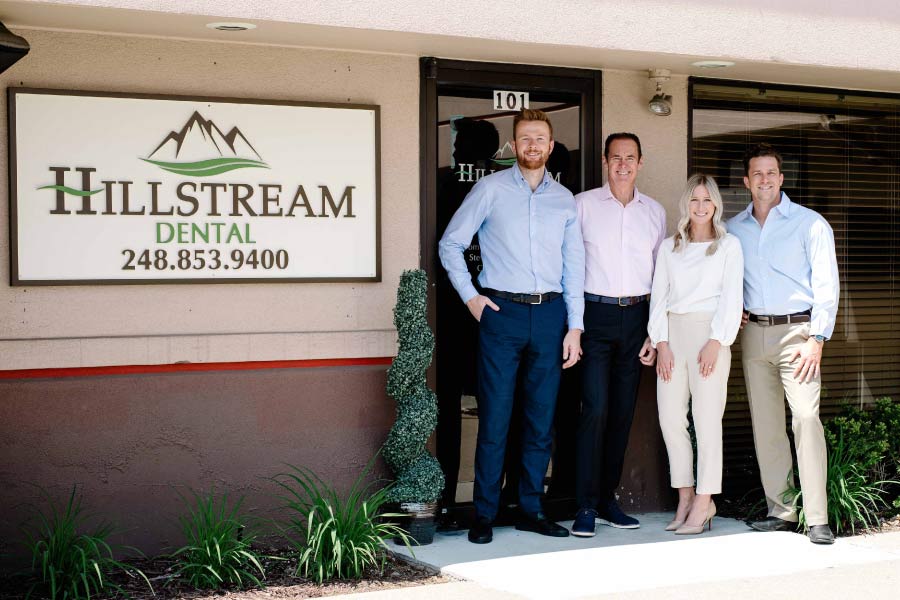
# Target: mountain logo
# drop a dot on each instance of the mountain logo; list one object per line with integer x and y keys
{"x": 505, "y": 155}
{"x": 200, "y": 149}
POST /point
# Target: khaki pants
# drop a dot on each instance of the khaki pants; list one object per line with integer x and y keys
{"x": 769, "y": 376}
{"x": 688, "y": 333}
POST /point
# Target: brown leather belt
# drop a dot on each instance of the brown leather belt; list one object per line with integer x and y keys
{"x": 768, "y": 320}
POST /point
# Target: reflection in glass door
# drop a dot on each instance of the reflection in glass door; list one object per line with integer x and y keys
{"x": 466, "y": 137}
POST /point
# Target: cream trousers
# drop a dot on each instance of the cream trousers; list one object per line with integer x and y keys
{"x": 770, "y": 377}
{"x": 688, "y": 333}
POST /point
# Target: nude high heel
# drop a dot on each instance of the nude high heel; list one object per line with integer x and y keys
{"x": 674, "y": 524}
{"x": 695, "y": 529}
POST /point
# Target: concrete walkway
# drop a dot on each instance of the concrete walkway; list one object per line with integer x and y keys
{"x": 730, "y": 562}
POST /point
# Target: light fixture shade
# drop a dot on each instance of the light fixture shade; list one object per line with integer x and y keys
{"x": 660, "y": 104}
{"x": 12, "y": 48}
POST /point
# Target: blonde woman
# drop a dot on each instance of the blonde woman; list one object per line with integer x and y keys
{"x": 695, "y": 314}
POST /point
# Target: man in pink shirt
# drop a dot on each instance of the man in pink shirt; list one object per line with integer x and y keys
{"x": 622, "y": 231}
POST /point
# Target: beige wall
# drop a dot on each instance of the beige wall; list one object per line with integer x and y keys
{"x": 152, "y": 324}
{"x": 663, "y": 139}
{"x": 772, "y": 34}
{"x": 79, "y": 326}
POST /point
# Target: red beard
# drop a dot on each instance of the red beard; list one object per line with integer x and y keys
{"x": 532, "y": 164}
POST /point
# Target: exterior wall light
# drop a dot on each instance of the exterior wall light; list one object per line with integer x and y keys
{"x": 660, "y": 104}
{"x": 12, "y": 48}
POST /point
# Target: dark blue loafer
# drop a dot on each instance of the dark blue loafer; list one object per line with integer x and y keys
{"x": 610, "y": 514}
{"x": 585, "y": 523}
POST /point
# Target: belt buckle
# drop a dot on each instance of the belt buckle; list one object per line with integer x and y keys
{"x": 622, "y": 301}
{"x": 540, "y": 300}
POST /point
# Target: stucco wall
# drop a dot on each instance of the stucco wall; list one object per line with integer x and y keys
{"x": 663, "y": 139}
{"x": 152, "y": 324}
{"x": 133, "y": 443}
{"x": 129, "y": 439}
{"x": 852, "y": 35}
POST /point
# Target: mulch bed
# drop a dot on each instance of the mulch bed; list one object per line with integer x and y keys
{"x": 892, "y": 524}
{"x": 282, "y": 584}
{"x": 280, "y": 581}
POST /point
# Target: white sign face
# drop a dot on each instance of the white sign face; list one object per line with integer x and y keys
{"x": 122, "y": 189}
{"x": 507, "y": 100}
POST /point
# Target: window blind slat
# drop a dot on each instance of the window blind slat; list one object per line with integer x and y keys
{"x": 842, "y": 159}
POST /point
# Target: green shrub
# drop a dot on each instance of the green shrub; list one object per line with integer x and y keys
{"x": 865, "y": 439}
{"x": 217, "y": 551}
{"x": 418, "y": 473}
{"x": 67, "y": 563}
{"x": 854, "y": 498}
{"x": 887, "y": 413}
{"x": 335, "y": 537}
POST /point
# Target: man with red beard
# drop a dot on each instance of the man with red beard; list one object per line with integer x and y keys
{"x": 532, "y": 292}
{"x": 622, "y": 230}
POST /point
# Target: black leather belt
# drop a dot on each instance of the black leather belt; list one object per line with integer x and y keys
{"x": 522, "y": 298}
{"x": 623, "y": 301}
{"x": 767, "y": 320}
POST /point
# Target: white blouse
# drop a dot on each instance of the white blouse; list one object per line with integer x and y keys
{"x": 689, "y": 281}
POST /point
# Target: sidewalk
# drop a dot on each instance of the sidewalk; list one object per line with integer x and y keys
{"x": 730, "y": 562}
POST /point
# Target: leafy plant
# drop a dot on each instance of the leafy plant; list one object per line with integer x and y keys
{"x": 69, "y": 564}
{"x": 887, "y": 413}
{"x": 418, "y": 473}
{"x": 217, "y": 552}
{"x": 853, "y": 498}
{"x": 336, "y": 537}
{"x": 865, "y": 439}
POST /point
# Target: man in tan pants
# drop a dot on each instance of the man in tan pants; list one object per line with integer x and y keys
{"x": 790, "y": 298}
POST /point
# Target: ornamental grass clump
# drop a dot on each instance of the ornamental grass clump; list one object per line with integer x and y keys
{"x": 218, "y": 551}
{"x": 862, "y": 473}
{"x": 67, "y": 563}
{"x": 418, "y": 474}
{"x": 335, "y": 536}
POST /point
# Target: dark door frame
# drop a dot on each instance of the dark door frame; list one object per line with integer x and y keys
{"x": 438, "y": 71}
{"x": 582, "y": 83}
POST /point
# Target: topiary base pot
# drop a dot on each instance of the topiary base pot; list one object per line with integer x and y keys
{"x": 421, "y": 523}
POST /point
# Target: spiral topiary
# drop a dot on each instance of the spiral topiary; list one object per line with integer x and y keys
{"x": 419, "y": 476}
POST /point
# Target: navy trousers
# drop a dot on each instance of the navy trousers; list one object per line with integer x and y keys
{"x": 612, "y": 339}
{"x": 530, "y": 335}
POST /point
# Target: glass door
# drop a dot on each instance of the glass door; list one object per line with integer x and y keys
{"x": 467, "y": 116}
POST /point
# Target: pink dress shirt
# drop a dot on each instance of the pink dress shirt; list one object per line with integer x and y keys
{"x": 620, "y": 242}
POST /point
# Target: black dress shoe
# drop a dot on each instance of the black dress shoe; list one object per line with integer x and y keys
{"x": 540, "y": 524}
{"x": 821, "y": 534}
{"x": 773, "y": 524}
{"x": 481, "y": 531}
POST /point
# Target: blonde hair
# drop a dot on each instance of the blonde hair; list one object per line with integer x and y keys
{"x": 683, "y": 229}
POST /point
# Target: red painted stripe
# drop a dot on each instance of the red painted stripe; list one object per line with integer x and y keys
{"x": 193, "y": 367}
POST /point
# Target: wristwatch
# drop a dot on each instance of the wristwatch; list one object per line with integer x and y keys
{"x": 820, "y": 338}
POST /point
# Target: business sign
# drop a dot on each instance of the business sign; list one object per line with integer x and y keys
{"x": 116, "y": 188}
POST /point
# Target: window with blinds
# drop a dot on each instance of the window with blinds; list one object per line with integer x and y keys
{"x": 842, "y": 159}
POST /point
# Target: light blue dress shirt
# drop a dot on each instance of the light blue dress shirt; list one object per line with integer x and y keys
{"x": 789, "y": 264}
{"x": 530, "y": 240}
